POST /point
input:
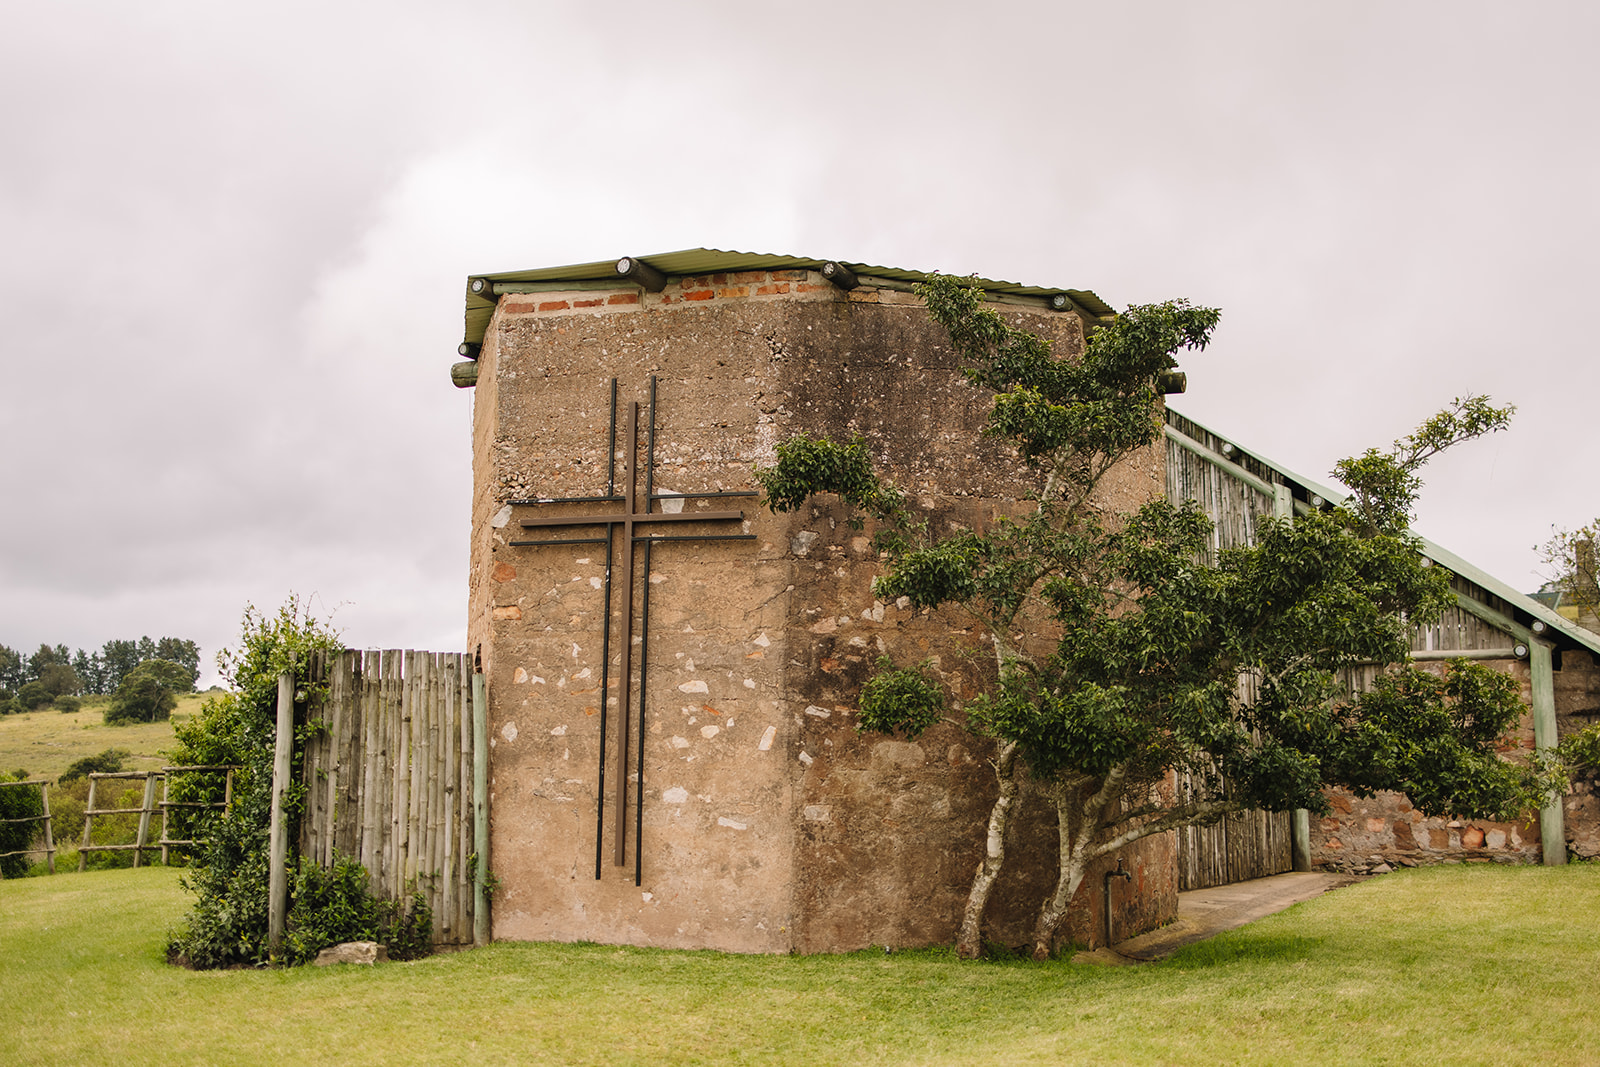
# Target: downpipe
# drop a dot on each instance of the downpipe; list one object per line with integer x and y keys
{"x": 1126, "y": 876}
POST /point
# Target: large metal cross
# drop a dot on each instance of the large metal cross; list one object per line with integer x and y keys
{"x": 623, "y": 524}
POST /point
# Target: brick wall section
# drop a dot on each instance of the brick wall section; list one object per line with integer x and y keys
{"x": 1364, "y": 832}
{"x": 771, "y": 825}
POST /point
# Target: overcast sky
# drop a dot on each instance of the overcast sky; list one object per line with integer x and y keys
{"x": 233, "y": 241}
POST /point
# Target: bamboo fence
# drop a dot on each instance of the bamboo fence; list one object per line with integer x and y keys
{"x": 388, "y": 774}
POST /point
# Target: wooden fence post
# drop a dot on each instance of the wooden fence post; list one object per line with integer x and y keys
{"x": 277, "y": 855}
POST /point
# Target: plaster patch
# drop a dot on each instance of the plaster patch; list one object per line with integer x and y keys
{"x": 680, "y": 742}
{"x": 519, "y": 675}
{"x": 695, "y": 686}
{"x": 501, "y": 517}
{"x": 594, "y": 583}
{"x": 763, "y": 640}
{"x": 676, "y": 795}
{"x": 805, "y": 757}
{"x": 749, "y": 683}
{"x": 509, "y": 732}
{"x": 708, "y": 732}
{"x": 723, "y": 820}
{"x": 670, "y": 505}
{"x": 820, "y": 713}
{"x": 817, "y": 812}
{"x": 767, "y": 737}
{"x": 801, "y": 543}
{"x": 585, "y": 673}
{"x": 559, "y": 731}
{"x": 535, "y": 679}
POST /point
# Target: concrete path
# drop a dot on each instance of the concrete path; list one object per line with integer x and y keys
{"x": 1203, "y": 913}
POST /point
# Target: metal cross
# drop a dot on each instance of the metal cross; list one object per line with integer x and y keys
{"x": 623, "y": 524}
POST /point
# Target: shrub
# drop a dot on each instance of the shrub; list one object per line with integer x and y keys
{"x": 335, "y": 905}
{"x": 34, "y": 695}
{"x": 108, "y": 762}
{"x": 228, "y": 923}
{"x": 18, "y": 803}
{"x": 143, "y": 696}
{"x": 66, "y": 703}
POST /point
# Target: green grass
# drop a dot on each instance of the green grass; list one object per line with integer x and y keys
{"x": 1448, "y": 965}
{"x": 46, "y": 742}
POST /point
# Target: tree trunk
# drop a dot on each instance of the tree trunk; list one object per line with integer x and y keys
{"x": 1067, "y": 881}
{"x": 969, "y": 942}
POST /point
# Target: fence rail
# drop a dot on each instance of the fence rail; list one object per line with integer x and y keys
{"x": 146, "y": 808}
{"x": 388, "y": 776}
{"x": 44, "y": 803}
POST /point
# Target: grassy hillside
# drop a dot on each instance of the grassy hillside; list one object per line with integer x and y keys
{"x": 45, "y": 742}
{"x": 1442, "y": 965}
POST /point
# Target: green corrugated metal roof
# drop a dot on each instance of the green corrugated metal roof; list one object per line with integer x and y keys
{"x": 1520, "y": 602}
{"x": 692, "y": 261}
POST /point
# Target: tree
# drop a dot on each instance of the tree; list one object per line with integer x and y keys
{"x": 59, "y": 678}
{"x": 119, "y": 658}
{"x": 182, "y": 652}
{"x": 13, "y": 669}
{"x": 1119, "y": 645}
{"x": 146, "y": 693}
{"x": 1572, "y": 556}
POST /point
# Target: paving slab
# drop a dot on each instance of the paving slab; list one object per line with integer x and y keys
{"x": 1204, "y": 913}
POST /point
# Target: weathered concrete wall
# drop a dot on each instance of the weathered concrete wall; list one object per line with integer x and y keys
{"x": 770, "y": 824}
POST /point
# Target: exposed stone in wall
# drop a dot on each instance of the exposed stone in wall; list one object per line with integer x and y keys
{"x": 1361, "y": 832}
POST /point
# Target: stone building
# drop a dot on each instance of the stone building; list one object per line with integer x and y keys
{"x": 671, "y": 669}
{"x": 1556, "y": 662}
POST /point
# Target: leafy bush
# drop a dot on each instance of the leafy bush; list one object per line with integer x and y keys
{"x": 107, "y": 762}
{"x": 145, "y": 695}
{"x": 229, "y": 878}
{"x": 34, "y": 695}
{"x": 335, "y": 905}
{"x": 66, "y": 702}
{"x": 1581, "y": 751}
{"x": 18, "y": 803}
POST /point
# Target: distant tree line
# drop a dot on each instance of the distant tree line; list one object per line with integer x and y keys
{"x": 54, "y": 674}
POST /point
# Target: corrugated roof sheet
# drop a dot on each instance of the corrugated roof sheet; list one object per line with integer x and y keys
{"x": 692, "y": 261}
{"x": 1522, "y": 603}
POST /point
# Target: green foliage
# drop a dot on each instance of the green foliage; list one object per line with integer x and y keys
{"x": 1151, "y": 636}
{"x": 18, "y": 802}
{"x": 145, "y": 695}
{"x": 108, "y": 762}
{"x": 229, "y": 876}
{"x": 1575, "y": 566}
{"x": 809, "y": 465}
{"x": 59, "y": 679}
{"x": 900, "y": 701}
{"x": 1386, "y": 484}
{"x": 335, "y": 905}
{"x": 34, "y": 696}
{"x": 1580, "y": 752}
{"x": 65, "y": 703}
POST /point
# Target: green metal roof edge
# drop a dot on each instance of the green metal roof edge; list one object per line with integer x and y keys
{"x": 692, "y": 261}
{"x": 1438, "y": 553}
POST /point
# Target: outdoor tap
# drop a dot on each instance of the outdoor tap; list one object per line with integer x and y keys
{"x": 1106, "y": 890}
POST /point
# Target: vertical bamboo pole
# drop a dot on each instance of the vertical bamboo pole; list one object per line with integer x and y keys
{"x": 449, "y": 671}
{"x": 88, "y": 821}
{"x": 310, "y": 761}
{"x": 49, "y": 835}
{"x": 437, "y": 752}
{"x": 146, "y": 805}
{"x": 463, "y": 703}
{"x": 402, "y": 777}
{"x": 277, "y": 848}
{"x": 333, "y": 714}
{"x": 481, "y": 931}
{"x": 166, "y": 797}
{"x": 369, "y": 756}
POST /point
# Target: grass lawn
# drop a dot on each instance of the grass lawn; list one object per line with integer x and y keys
{"x": 45, "y": 742}
{"x": 1447, "y": 965}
